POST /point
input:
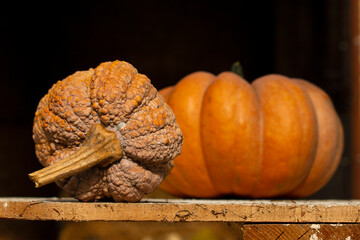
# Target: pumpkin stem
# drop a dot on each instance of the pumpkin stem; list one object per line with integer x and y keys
{"x": 237, "y": 68}
{"x": 101, "y": 147}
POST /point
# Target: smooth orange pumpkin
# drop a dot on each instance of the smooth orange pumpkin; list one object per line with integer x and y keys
{"x": 275, "y": 137}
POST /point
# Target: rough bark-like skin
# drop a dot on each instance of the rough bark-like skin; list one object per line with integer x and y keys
{"x": 123, "y": 101}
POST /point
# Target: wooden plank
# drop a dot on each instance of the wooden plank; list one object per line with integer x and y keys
{"x": 355, "y": 72}
{"x": 214, "y": 230}
{"x": 149, "y": 230}
{"x": 177, "y": 210}
{"x": 301, "y": 231}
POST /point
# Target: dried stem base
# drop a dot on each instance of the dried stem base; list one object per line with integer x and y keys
{"x": 101, "y": 147}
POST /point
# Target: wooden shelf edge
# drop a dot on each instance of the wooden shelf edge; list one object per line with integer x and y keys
{"x": 177, "y": 210}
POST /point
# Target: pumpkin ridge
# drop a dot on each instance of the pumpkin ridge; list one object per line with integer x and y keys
{"x": 301, "y": 126}
{"x": 201, "y": 80}
{"x": 229, "y": 124}
{"x": 144, "y": 101}
{"x": 56, "y": 106}
{"x": 324, "y": 159}
{"x": 119, "y": 76}
{"x": 272, "y": 88}
{"x": 261, "y": 143}
{"x": 201, "y": 139}
{"x": 53, "y": 103}
{"x": 60, "y": 115}
{"x": 260, "y": 125}
{"x": 233, "y": 146}
{"x": 217, "y": 190}
{"x": 167, "y": 183}
{"x": 303, "y": 139}
{"x": 338, "y": 154}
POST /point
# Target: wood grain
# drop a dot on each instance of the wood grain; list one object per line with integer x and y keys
{"x": 301, "y": 231}
{"x": 176, "y": 210}
{"x": 355, "y": 75}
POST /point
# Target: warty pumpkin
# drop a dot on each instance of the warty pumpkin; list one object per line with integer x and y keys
{"x": 276, "y": 137}
{"x": 105, "y": 132}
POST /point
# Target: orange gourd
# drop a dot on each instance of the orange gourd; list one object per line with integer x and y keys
{"x": 275, "y": 137}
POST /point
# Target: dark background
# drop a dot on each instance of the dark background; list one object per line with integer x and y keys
{"x": 166, "y": 40}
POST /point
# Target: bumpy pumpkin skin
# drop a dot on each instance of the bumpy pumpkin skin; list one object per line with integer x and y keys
{"x": 115, "y": 95}
{"x": 275, "y": 137}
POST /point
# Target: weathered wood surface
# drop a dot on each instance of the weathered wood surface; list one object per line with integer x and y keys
{"x": 176, "y": 210}
{"x": 301, "y": 231}
{"x": 202, "y": 230}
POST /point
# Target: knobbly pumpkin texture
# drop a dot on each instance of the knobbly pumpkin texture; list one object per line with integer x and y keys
{"x": 277, "y": 136}
{"x": 122, "y": 104}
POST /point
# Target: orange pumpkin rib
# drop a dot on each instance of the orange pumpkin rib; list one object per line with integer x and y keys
{"x": 190, "y": 174}
{"x": 167, "y": 185}
{"x": 289, "y": 135}
{"x": 331, "y": 142}
{"x": 230, "y": 134}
